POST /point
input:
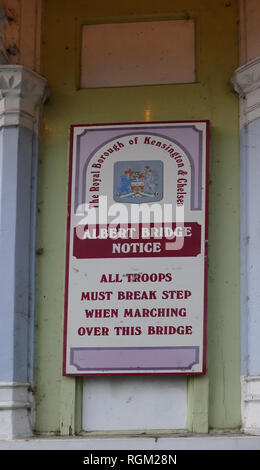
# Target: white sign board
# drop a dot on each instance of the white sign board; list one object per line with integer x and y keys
{"x": 136, "y": 268}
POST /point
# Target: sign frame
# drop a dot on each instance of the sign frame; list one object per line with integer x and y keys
{"x": 122, "y": 372}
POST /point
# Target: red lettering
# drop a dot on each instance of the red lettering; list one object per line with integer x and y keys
{"x": 170, "y": 330}
{"x": 128, "y": 330}
{"x": 97, "y": 331}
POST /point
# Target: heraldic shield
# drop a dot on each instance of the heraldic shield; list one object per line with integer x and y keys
{"x": 137, "y": 182}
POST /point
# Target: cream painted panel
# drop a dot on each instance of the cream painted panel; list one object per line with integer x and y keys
{"x": 134, "y": 403}
{"x": 143, "y": 53}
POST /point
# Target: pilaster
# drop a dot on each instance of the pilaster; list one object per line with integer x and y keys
{"x": 246, "y": 82}
{"x": 22, "y": 93}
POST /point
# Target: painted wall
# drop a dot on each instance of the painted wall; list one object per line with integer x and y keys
{"x": 20, "y": 27}
{"x": 58, "y": 399}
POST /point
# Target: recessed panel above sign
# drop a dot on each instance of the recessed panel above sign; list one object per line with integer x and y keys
{"x": 136, "y": 283}
{"x": 138, "y": 53}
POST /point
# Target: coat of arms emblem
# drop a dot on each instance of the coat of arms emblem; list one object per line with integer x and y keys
{"x": 138, "y": 181}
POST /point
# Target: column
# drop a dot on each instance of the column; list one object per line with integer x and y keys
{"x": 22, "y": 92}
{"x": 246, "y": 82}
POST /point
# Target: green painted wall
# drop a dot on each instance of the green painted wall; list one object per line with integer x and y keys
{"x": 58, "y": 399}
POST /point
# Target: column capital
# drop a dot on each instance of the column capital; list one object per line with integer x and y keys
{"x": 22, "y": 93}
{"x": 246, "y": 82}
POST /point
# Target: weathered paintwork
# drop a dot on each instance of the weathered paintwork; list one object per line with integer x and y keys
{"x": 211, "y": 97}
